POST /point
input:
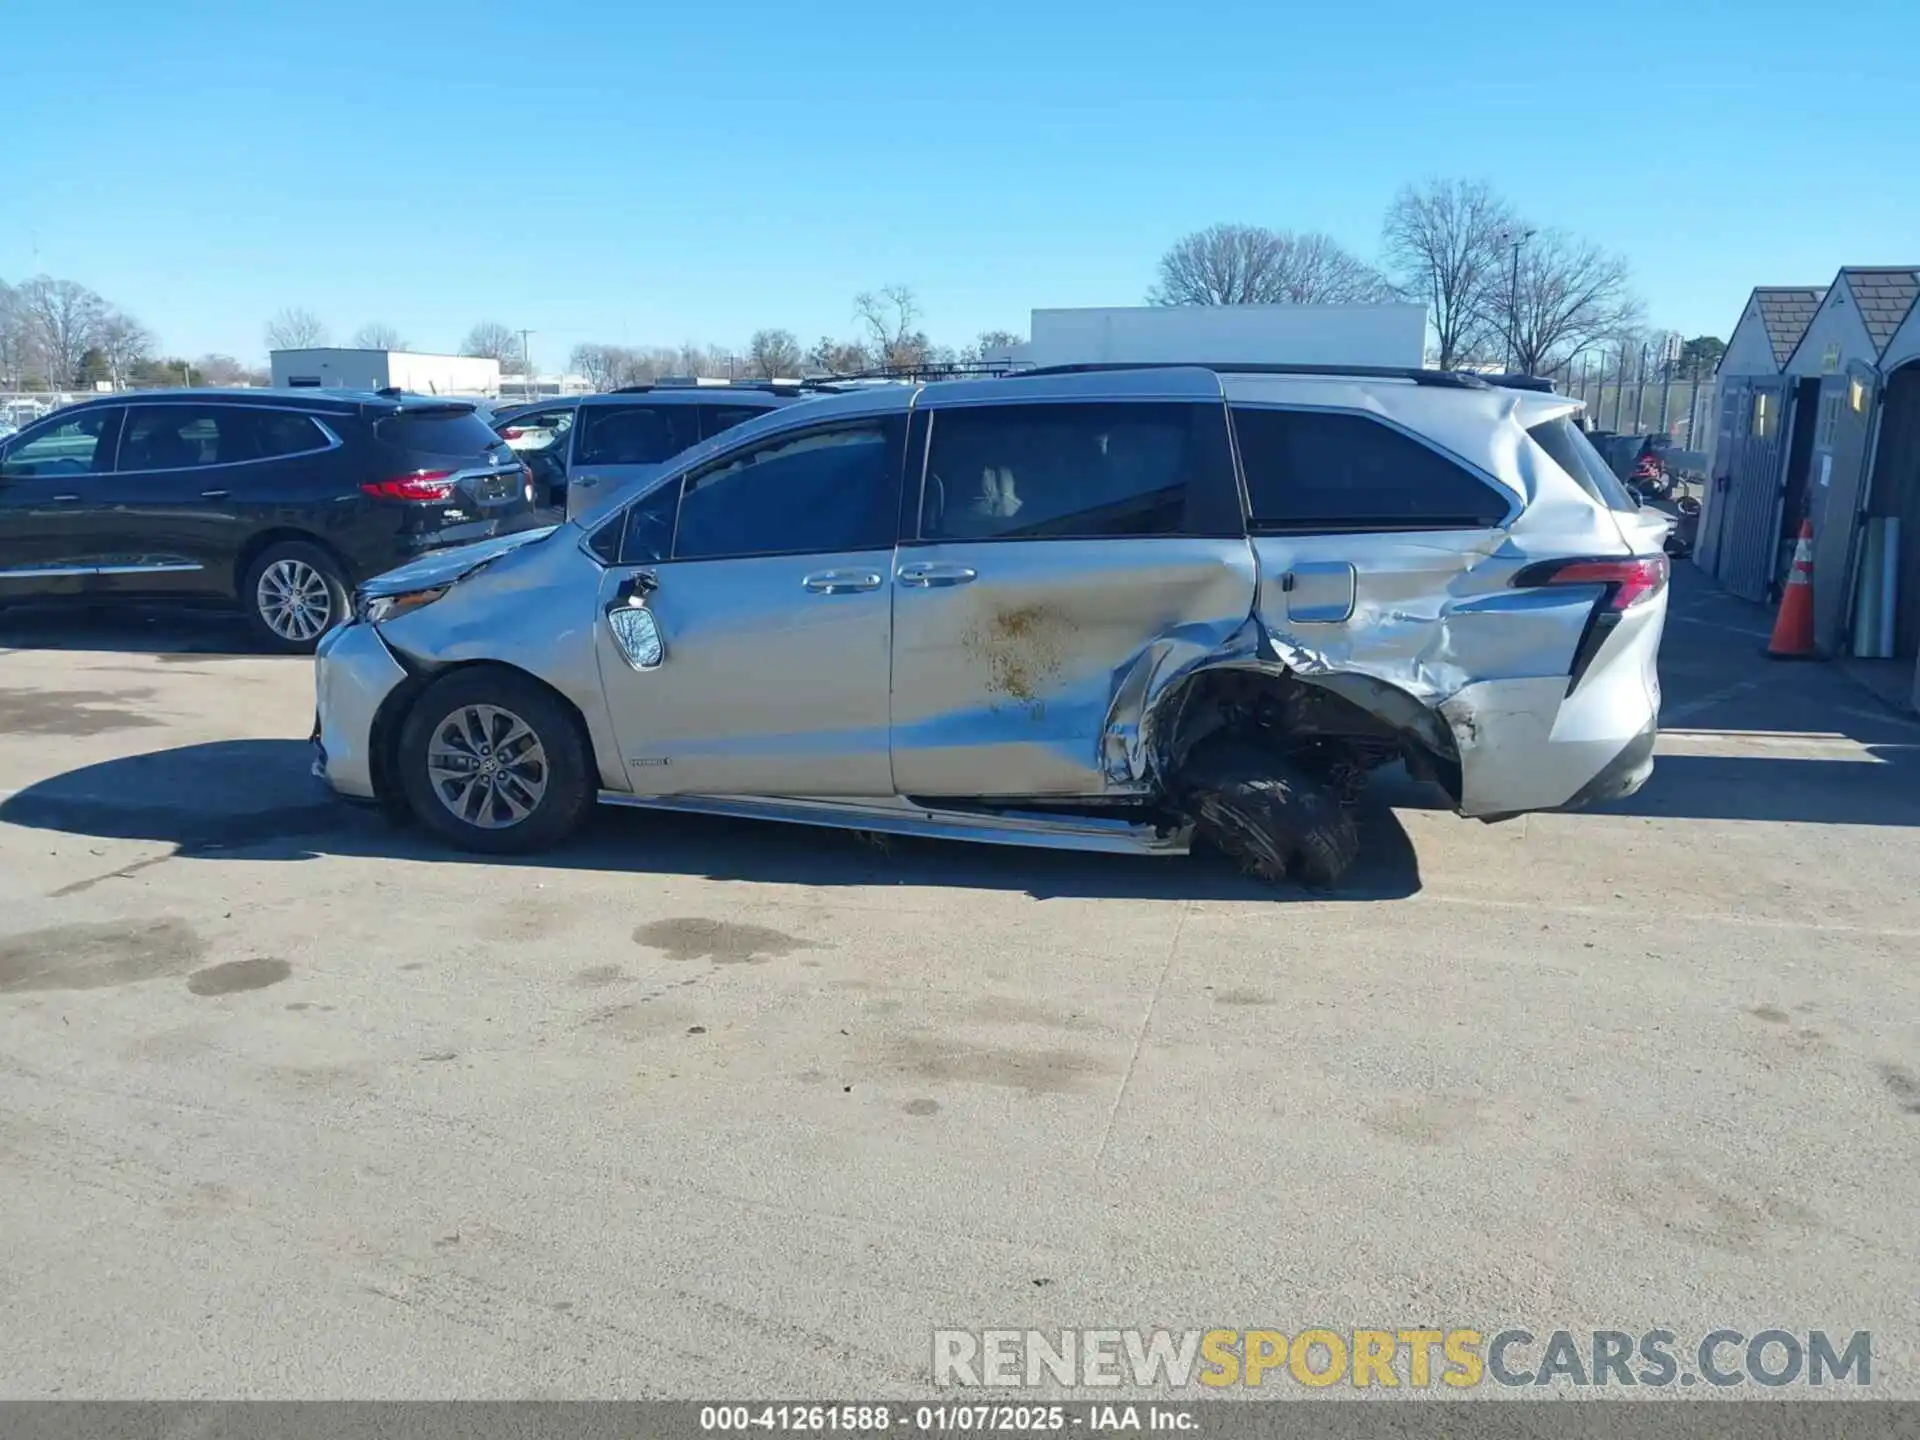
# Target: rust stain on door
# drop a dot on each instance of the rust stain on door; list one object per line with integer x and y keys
{"x": 1022, "y": 651}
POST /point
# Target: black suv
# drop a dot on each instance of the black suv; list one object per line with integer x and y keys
{"x": 280, "y": 500}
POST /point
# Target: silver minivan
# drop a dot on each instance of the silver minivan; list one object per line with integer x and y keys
{"x": 1101, "y": 608}
{"x": 628, "y": 436}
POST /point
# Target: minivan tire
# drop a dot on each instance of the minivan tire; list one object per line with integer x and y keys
{"x": 527, "y": 800}
{"x": 1270, "y": 816}
{"x": 282, "y": 592}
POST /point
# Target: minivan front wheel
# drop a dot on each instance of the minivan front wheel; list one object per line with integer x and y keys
{"x": 492, "y": 761}
{"x": 293, "y": 594}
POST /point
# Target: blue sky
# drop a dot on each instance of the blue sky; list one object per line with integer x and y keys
{"x": 651, "y": 173}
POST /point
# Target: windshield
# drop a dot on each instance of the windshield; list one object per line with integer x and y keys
{"x": 1574, "y": 453}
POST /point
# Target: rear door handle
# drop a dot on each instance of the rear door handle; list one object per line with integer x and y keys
{"x": 68, "y": 499}
{"x": 924, "y": 575}
{"x": 841, "y": 582}
{"x": 213, "y": 494}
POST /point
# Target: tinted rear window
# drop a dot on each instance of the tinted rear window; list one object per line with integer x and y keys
{"x": 438, "y": 432}
{"x": 1574, "y": 453}
{"x": 634, "y": 434}
{"x": 1328, "y": 470}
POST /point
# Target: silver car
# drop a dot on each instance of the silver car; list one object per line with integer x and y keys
{"x": 629, "y": 436}
{"x": 1103, "y": 609}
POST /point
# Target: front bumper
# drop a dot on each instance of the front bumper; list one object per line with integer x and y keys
{"x": 354, "y": 672}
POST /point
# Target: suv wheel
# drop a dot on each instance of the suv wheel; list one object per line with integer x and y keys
{"x": 494, "y": 762}
{"x": 1269, "y": 815}
{"x": 294, "y": 594}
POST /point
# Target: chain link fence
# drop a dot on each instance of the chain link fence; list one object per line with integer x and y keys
{"x": 1654, "y": 399}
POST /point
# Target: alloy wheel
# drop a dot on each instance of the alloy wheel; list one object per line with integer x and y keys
{"x": 294, "y": 600}
{"x": 487, "y": 766}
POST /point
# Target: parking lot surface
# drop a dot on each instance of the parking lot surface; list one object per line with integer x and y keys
{"x": 295, "y": 1104}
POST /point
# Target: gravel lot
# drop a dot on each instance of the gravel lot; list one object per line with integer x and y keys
{"x": 296, "y": 1105}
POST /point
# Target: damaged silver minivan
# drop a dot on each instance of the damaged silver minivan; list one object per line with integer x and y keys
{"x": 1099, "y": 608}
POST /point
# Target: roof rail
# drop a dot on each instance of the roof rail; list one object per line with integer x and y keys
{"x": 1447, "y": 379}
{"x": 1519, "y": 380}
{"x": 927, "y": 370}
{"x": 776, "y": 387}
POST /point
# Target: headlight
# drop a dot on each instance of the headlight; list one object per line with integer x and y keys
{"x": 390, "y": 607}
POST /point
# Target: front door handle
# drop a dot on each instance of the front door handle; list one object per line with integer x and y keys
{"x": 841, "y": 582}
{"x": 925, "y": 575}
{"x": 583, "y": 482}
{"x": 213, "y": 494}
{"x": 68, "y": 499}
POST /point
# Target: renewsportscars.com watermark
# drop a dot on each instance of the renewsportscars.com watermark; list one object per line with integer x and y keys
{"x": 1391, "y": 1359}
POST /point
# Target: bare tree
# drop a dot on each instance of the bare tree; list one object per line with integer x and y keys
{"x": 490, "y": 340}
{"x": 17, "y": 355}
{"x": 296, "y": 329}
{"x": 772, "y": 354}
{"x": 378, "y": 335}
{"x": 123, "y": 341}
{"x": 888, "y": 315}
{"x": 1252, "y": 265}
{"x": 693, "y": 358}
{"x": 608, "y": 367}
{"x": 838, "y": 357}
{"x": 987, "y": 343}
{"x": 64, "y": 321}
{"x": 221, "y": 370}
{"x": 1447, "y": 244}
{"x": 600, "y": 365}
{"x": 1563, "y": 297}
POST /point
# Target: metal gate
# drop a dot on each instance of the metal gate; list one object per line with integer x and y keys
{"x": 1755, "y": 486}
{"x": 1841, "y": 452}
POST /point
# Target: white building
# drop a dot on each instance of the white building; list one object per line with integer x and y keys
{"x": 1389, "y": 335}
{"x": 341, "y": 369}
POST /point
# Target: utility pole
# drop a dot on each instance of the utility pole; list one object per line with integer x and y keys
{"x": 526, "y": 367}
{"x": 1516, "y": 244}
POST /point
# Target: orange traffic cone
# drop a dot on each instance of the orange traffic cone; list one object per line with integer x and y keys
{"x": 1793, "y": 630}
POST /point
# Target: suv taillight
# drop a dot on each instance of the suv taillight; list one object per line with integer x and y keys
{"x": 420, "y": 485}
{"x": 1629, "y": 582}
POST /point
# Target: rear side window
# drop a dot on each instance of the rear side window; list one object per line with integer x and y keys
{"x": 1326, "y": 470}
{"x": 633, "y": 434}
{"x": 438, "y": 432}
{"x": 1073, "y": 471}
{"x": 277, "y": 432}
{"x": 817, "y": 492}
{"x": 720, "y": 418}
{"x": 183, "y": 437}
{"x": 1574, "y": 453}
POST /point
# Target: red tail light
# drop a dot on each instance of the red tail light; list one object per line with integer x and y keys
{"x": 421, "y": 485}
{"x": 512, "y": 432}
{"x": 1629, "y": 581}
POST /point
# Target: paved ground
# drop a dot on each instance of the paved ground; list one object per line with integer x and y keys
{"x": 295, "y": 1105}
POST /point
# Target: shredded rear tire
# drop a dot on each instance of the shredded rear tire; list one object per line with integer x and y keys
{"x": 1268, "y": 815}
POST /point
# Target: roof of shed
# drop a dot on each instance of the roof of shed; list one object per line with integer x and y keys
{"x": 1883, "y": 298}
{"x": 1786, "y": 311}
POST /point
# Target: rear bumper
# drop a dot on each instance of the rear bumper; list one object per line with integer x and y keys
{"x": 354, "y": 673}
{"x": 419, "y": 541}
{"x": 1622, "y": 775}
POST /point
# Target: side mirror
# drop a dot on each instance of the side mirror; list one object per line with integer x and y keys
{"x": 635, "y": 630}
